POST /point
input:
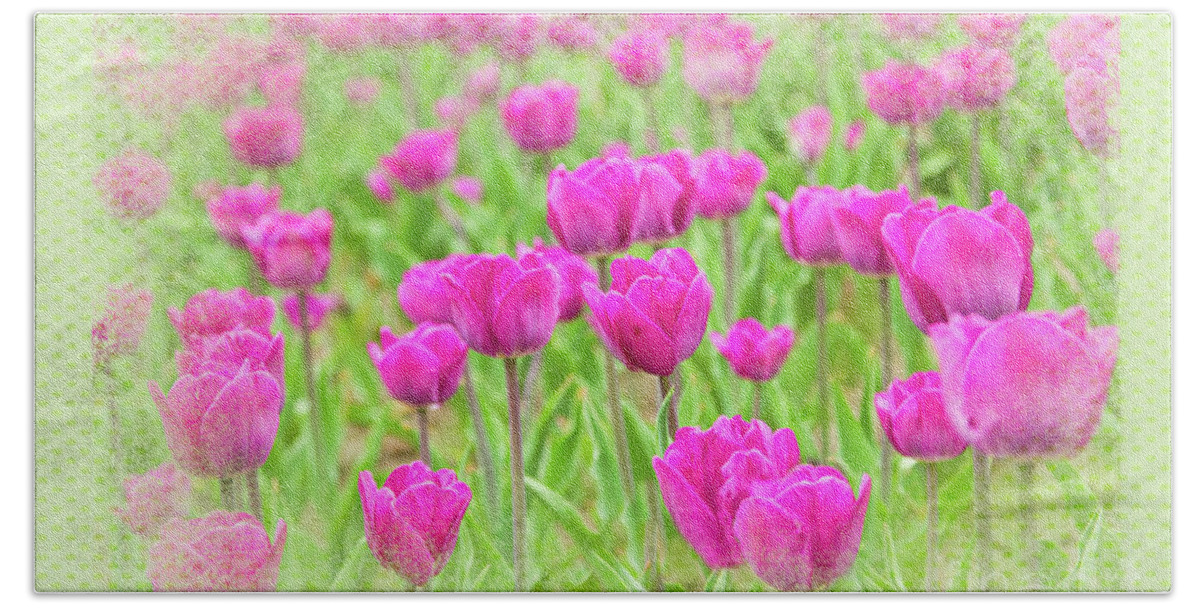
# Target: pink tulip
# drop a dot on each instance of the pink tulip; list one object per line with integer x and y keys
{"x": 667, "y": 191}
{"x": 754, "y": 353}
{"x": 453, "y": 111}
{"x": 806, "y": 224}
{"x": 120, "y": 330}
{"x": 283, "y": 83}
{"x": 468, "y": 188}
{"x": 721, "y": 61}
{"x": 654, "y": 316}
{"x": 397, "y": 30}
{"x": 910, "y": 26}
{"x": 155, "y": 498}
{"x": 502, "y": 309}
{"x": 292, "y": 251}
{"x": 134, "y": 185}
{"x": 706, "y": 475}
{"x": 221, "y": 551}
{"x": 976, "y": 78}
{"x": 226, "y": 353}
{"x": 572, "y": 33}
{"x": 904, "y": 93}
{"x": 809, "y": 132}
{"x": 1028, "y": 385}
{"x": 380, "y": 185}
{"x": 347, "y": 33}
{"x": 265, "y": 137}
{"x": 574, "y": 272}
{"x": 1085, "y": 39}
{"x": 858, "y": 220}
{"x": 995, "y": 30}
{"x": 725, "y": 184}
{"x": 318, "y": 305}
{"x": 593, "y": 209}
{"x": 412, "y": 522}
{"x": 483, "y": 84}
{"x": 959, "y": 261}
{"x": 519, "y": 36}
{"x": 238, "y": 207}
{"x": 210, "y": 313}
{"x": 1090, "y": 96}
{"x": 802, "y": 532}
{"x": 423, "y": 159}
{"x": 1106, "y": 243}
{"x": 541, "y": 118}
{"x": 913, "y": 416}
{"x": 423, "y": 295}
{"x": 362, "y": 91}
{"x": 423, "y": 367}
{"x": 640, "y": 57}
{"x": 854, "y": 135}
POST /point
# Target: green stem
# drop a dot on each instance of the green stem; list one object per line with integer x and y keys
{"x": 423, "y": 434}
{"x": 531, "y": 390}
{"x": 885, "y": 369}
{"x": 624, "y": 460}
{"x": 931, "y": 526}
{"x": 228, "y": 499}
{"x": 516, "y": 472}
{"x": 652, "y": 144}
{"x": 722, "y": 114}
{"x": 254, "y": 495}
{"x": 483, "y": 446}
{"x": 983, "y": 524}
{"x": 758, "y": 391}
{"x": 729, "y": 250}
{"x": 653, "y": 525}
{"x": 823, "y": 365}
{"x": 314, "y": 409}
{"x": 976, "y": 193}
{"x": 453, "y": 218}
{"x": 666, "y": 399}
{"x": 1029, "y": 531}
{"x": 914, "y": 165}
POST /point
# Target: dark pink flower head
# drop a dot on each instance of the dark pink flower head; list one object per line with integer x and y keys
{"x": 502, "y": 309}
{"x": 1107, "y": 243}
{"x": 574, "y": 271}
{"x": 593, "y": 209}
{"x": 809, "y": 133}
{"x": 904, "y": 93}
{"x": 541, "y": 118}
{"x": 221, "y": 551}
{"x": 854, "y": 135}
{"x": 292, "y": 251}
{"x": 423, "y": 295}
{"x": 469, "y": 189}
{"x": 423, "y": 367}
{"x": 318, "y": 306}
{"x": 992, "y": 30}
{"x": 654, "y": 316}
{"x": 913, "y": 416}
{"x": 362, "y": 91}
{"x": 1085, "y": 39}
{"x": 235, "y": 208}
{"x": 519, "y": 36}
{"x": 640, "y": 56}
{"x": 282, "y": 84}
{"x": 265, "y": 137}
{"x": 705, "y": 475}
{"x": 483, "y": 84}
{"x": 667, "y": 187}
{"x": 211, "y": 313}
{"x": 725, "y": 184}
{"x": 423, "y": 159}
{"x": 411, "y": 523}
{"x": 858, "y": 220}
{"x": 134, "y": 185}
{"x": 910, "y": 26}
{"x": 753, "y": 352}
{"x": 721, "y": 61}
{"x": 380, "y": 185}
{"x": 572, "y": 33}
{"x": 959, "y": 261}
{"x": 806, "y": 224}
{"x": 119, "y": 331}
{"x": 155, "y": 498}
{"x": 976, "y": 78}
{"x": 802, "y": 532}
{"x": 1090, "y": 98}
{"x": 1030, "y": 385}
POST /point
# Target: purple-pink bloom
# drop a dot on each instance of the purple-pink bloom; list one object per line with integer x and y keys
{"x": 226, "y": 353}
{"x": 854, "y": 135}
{"x": 134, "y": 185}
{"x": 221, "y": 551}
{"x": 422, "y": 293}
{"x": 725, "y": 183}
{"x": 913, "y": 416}
{"x": 500, "y": 308}
{"x": 721, "y": 61}
{"x": 282, "y": 84}
{"x": 806, "y": 224}
{"x": 976, "y": 78}
{"x": 992, "y": 30}
{"x": 1090, "y": 96}
{"x": 265, "y": 137}
{"x": 453, "y": 111}
{"x": 753, "y": 352}
{"x": 119, "y": 331}
{"x": 573, "y": 33}
{"x": 317, "y": 306}
{"x": 155, "y": 498}
{"x": 1107, "y": 243}
{"x": 483, "y": 84}
{"x": 640, "y": 56}
{"x": 541, "y": 118}
{"x": 1085, "y": 39}
{"x": 655, "y": 314}
{"x": 857, "y": 222}
{"x": 705, "y": 475}
{"x": 593, "y": 209}
{"x": 468, "y": 188}
{"x": 423, "y": 159}
{"x": 573, "y": 271}
{"x": 1029, "y": 385}
{"x": 809, "y": 133}
{"x": 210, "y": 313}
{"x": 802, "y": 532}
{"x": 423, "y": 367}
{"x": 667, "y": 191}
{"x": 380, "y": 185}
{"x": 904, "y": 93}
{"x": 910, "y": 26}
{"x": 362, "y": 91}
{"x": 292, "y": 250}
{"x": 235, "y": 208}
{"x": 411, "y": 523}
{"x": 960, "y": 261}
{"x": 519, "y": 36}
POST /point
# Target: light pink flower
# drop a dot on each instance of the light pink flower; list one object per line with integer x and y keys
{"x": 319, "y": 305}
{"x": 135, "y": 185}
{"x": 976, "y": 78}
{"x": 640, "y": 56}
{"x": 993, "y": 30}
{"x": 1085, "y": 39}
{"x": 235, "y": 208}
{"x": 120, "y": 330}
{"x": 265, "y": 137}
{"x": 573, "y": 33}
{"x": 1090, "y": 96}
{"x": 721, "y": 61}
{"x": 221, "y": 551}
{"x": 854, "y": 135}
{"x": 362, "y": 91}
{"x": 1107, "y": 243}
{"x": 904, "y": 93}
{"x": 910, "y": 26}
{"x": 810, "y": 131}
{"x": 468, "y": 188}
{"x": 155, "y": 498}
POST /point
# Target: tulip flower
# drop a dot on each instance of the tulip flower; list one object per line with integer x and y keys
{"x": 706, "y": 474}
{"x": 292, "y": 250}
{"x": 378, "y": 183}
{"x": 238, "y": 207}
{"x": 996, "y": 30}
{"x": 362, "y": 91}
{"x": 806, "y": 224}
{"x": 411, "y": 523}
{"x": 541, "y": 118}
{"x": 423, "y": 295}
{"x": 224, "y": 354}
{"x": 640, "y": 57}
{"x": 592, "y": 210}
{"x": 1107, "y": 243}
{"x": 857, "y": 220}
{"x": 909, "y": 26}
{"x": 958, "y": 261}
{"x": 155, "y": 498}
{"x": 210, "y": 313}
{"x": 483, "y": 84}
{"x": 282, "y": 84}
{"x": 754, "y": 353}
{"x": 572, "y": 33}
{"x": 725, "y": 183}
{"x": 267, "y": 137}
{"x": 913, "y": 415}
{"x": 854, "y": 135}
{"x": 319, "y": 305}
{"x": 1085, "y": 39}
{"x": 518, "y": 37}
{"x": 120, "y": 330}
{"x": 902, "y": 93}
{"x": 423, "y": 159}
{"x": 976, "y": 78}
{"x": 574, "y": 272}
{"x": 1089, "y": 96}
{"x": 667, "y": 191}
{"x": 500, "y": 308}
{"x": 221, "y": 551}
{"x": 809, "y": 133}
{"x": 721, "y": 61}
{"x": 134, "y": 185}
{"x": 467, "y": 188}
{"x": 802, "y": 532}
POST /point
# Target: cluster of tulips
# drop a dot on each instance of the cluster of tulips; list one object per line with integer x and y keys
{"x": 1010, "y": 383}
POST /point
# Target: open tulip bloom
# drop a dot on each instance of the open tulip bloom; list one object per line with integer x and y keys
{"x": 754, "y": 353}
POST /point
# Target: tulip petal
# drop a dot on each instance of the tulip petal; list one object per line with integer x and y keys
{"x": 973, "y": 264}
{"x": 694, "y": 518}
{"x": 527, "y": 313}
{"x": 239, "y": 428}
{"x": 777, "y": 547}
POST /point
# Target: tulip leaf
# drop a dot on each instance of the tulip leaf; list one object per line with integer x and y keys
{"x": 642, "y": 443}
{"x": 611, "y": 501}
{"x": 354, "y": 569}
{"x": 662, "y": 429}
{"x": 857, "y": 451}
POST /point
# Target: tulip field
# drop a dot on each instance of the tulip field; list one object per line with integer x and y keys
{"x": 602, "y": 302}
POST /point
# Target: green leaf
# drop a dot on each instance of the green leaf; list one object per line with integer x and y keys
{"x": 858, "y": 452}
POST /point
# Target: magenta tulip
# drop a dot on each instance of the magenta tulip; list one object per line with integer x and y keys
{"x": 854, "y": 135}
{"x": 976, "y": 78}
{"x": 518, "y": 36}
{"x": 265, "y": 137}
{"x": 238, "y": 207}
{"x": 721, "y": 61}
{"x": 753, "y": 352}
{"x": 411, "y": 523}
{"x": 283, "y": 83}
{"x": 913, "y": 416}
{"x": 423, "y": 367}
{"x": 502, "y": 309}
{"x": 155, "y": 498}
{"x": 381, "y": 186}
{"x": 211, "y": 313}
{"x": 667, "y": 191}
{"x": 857, "y": 222}
{"x": 572, "y": 33}
{"x": 483, "y": 84}
{"x": 469, "y": 189}
{"x": 904, "y": 93}
{"x": 725, "y": 184}
{"x": 654, "y": 316}
{"x": 225, "y": 353}
{"x": 221, "y": 551}
{"x": 541, "y": 118}
{"x": 959, "y": 261}
{"x": 318, "y": 305}
{"x": 995, "y": 30}
{"x": 134, "y": 185}
{"x": 423, "y": 159}
{"x": 640, "y": 56}
{"x": 802, "y": 532}
{"x": 806, "y": 224}
{"x": 423, "y": 295}
{"x": 120, "y": 330}
{"x": 1107, "y": 243}
{"x": 292, "y": 251}
{"x": 810, "y": 132}
{"x": 592, "y": 210}
{"x": 573, "y": 270}
{"x": 706, "y": 474}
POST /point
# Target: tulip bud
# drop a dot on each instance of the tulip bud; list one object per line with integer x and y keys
{"x": 423, "y": 295}
{"x": 423, "y": 367}
{"x": 221, "y": 551}
{"x": 317, "y": 306}
{"x": 725, "y": 183}
{"x": 913, "y": 416}
{"x": 236, "y": 208}
{"x": 721, "y": 61}
{"x": 283, "y": 83}
{"x": 211, "y": 313}
{"x": 470, "y": 189}
{"x": 1106, "y": 243}
{"x": 291, "y": 250}
{"x": 667, "y": 188}
{"x": 155, "y": 498}
{"x": 483, "y": 84}
{"x": 1089, "y": 96}
{"x": 806, "y": 224}
{"x": 854, "y": 135}
{"x": 381, "y": 186}
{"x": 120, "y": 330}
{"x": 265, "y": 137}
{"x": 593, "y": 209}
{"x": 541, "y": 118}
{"x": 640, "y": 57}
{"x": 754, "y": 353}
{"x": 810, "y": 131}
{"x": 976, "y": 78}
{"x": 362, "y": 91}
{"x": 502, "y": 309}
{"x": 423, "y": 159}
{"x": 904, "y": 93}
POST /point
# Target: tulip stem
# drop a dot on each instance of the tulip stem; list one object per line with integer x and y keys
{"x": 722, "y": 115}
{"x": 652, "y": 144}
{"x": 516, "y": 472}
{"x": 758, "y": 391}
{"x": 409, "y": 89}
{"x": 114, "y": 421}
{"x": 254, "y": 494}
{"x": 624, "y": 460}
{"x": 976, "y": 175}
{"x": 1029, "y": 531}
{"x": 823, "y": 364}
{"x": 729, "y": 249}
{"x": 531, "y": 390}
{"x": 483, "y": 448}
{"x": 423, "y": 434}
{"x": 667, "y": 398}
{"x": 453, "y": 218}
{"x": 228, "y": 498}
{"x": 885, "y": 378}
{"x": 983, "y": 524}
{"x": 653, "y": 525}
{"x": 314, "y": 409}
{"x": 914, "y": 165}
{"x": 931, "y": 525}
{"x": 255, "y": 278}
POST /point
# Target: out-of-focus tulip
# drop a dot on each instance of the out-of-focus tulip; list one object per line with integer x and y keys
{"x": 120, "y": 330}
{"x": 1107, "y": 243}
{"x": 640, "y": 57}
{"x": 858, "y": 220}
{"x": 135, "y": 185}
{"x": 380, "y": 185}
{"x": 423, "y": 159}
{"x": 238, "y": 207}
{"x": 483, "y": 84}
{"x": 221, "y": 551}
{"x": 211, "y": 313}
{"x": 667, "y": 187}
{"x": 155, "y": 498}
{"x": 721, "y": 61}
{"x": 809, "y": 132}
{"x": 453, "y": 111}
{"x": 572, "y": 33}
{"x": 854, "y": 135}
{"x": 1089, "y": 97}
{"x": 283, "y": 83}
{"x": 1029, "y": 385}
{"x": 753, "y": 352}
{"x": 909, "y": 26}
{"x": 422, "y": 293}
{"x": 913, "y": 416}
{"x": 519, "y": 36}
{"x": 362, "y": 91}
{"x": 976, "y": 78}
{"x": 265, "y": 137}
{"x": 592, "y": 210}
{"x": 226, "y": 353}
{"x": 318, "y": 305}
{"x": 423, "y": 367}
{"x": 725, "y": 183}
{"x": 806, "y": 224}
{"x": 992, "y": 30}
{"x": 1085, "y": 39}
{"x": 502, "y": 309}
{"x": 573, "y": 272}
{"x": 470, "y": 189}
{"x": 541, "y": 118}
{"x": 904, "y": 93}
{"x": 292, "y": 251}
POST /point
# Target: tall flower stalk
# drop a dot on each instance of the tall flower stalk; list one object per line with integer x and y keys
{"x": 624, "y": 460}
{"x": 516, "y": 471}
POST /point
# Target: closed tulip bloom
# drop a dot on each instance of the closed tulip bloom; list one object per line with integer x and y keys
{"x": 226, "y": 353}
{"x": 667, "y": 190}
{"x": 283, "y": 83}
{"x": 423, "y": 159}
{"x": 155, "y": 498}
{"x": 706, "y": 474}
{"x": 573, "y": 33}
{"x": 592, "y": 210}
{"x": 994, "y": 30}
{"x": 655, "y": 314}
{"x": 959, "y": 261}
{"x": 518, "y": 36}
{"x": 483, "y": 84}
{"x": 809, "y": 133}
{"x": 854, "y": 135}
{"x": 1107, "y": 243}
{"x": 453, "y": 111}
{"x": 135, "y": 185}
{"x": 1084, "y": 39}
{"x": 468, "y": 188}
{"x": 265, "y": 137}
{"x": 292, "y": 251}
{"x": 725, "y": 184}
{"x": 423, "y": 294}
{"x": 380, "y": 185}
{"x": 318, "y": 306}
{"x": 120, "y": 330}
{"x": 904, "y": 93}
{"x": 913, "y": 416}
{"x": 1029, "y": 385}
{"x": 1089, "y": 96}
{"x": 721, "y": 61}
{"x": 238, "y": 207}
{"x": 640, "y": 57}
{"x": 976, "y": 78}
{"x": 411, "y": 523}
{"x": 502, "y": 309}
{"x": 541, "y": 118}
{"x": 753, "y": 352}
{"x": 802, "y": 532}
{"x": 806, "y": 224}
{"x": 574, "y": 272}
{"x": 211, "y": 313}
{"x": 858, "y": 220}
{"x": 423, "y": 367}
{"x": 221, "y": 551}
